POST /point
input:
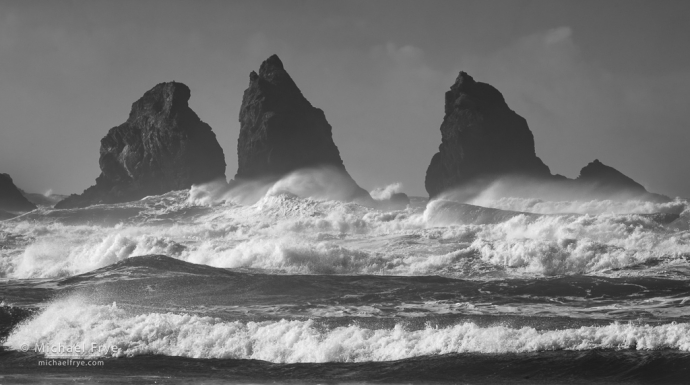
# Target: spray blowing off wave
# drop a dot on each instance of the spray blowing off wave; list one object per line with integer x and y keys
{"x": 543, "y": 197}
{"x": 594, "y": 207}
{"x": 71, "y": 322}
{"x": 322, "y": 183}
{"x": 387, "y": 192}
{"x": 288, "y": 234}
{"x": 273, "y": 227}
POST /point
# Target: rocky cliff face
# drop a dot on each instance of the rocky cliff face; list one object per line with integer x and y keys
{"x": 281, "y": 131}
{"x": 481, "y": 139}
{"x": 11, "y": 198}
{"x": 162, "y": 147}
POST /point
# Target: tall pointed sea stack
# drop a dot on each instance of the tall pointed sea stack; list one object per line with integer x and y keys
{"x": 162, "y": 147}
{"x": 281, "y": 131}
{"x": 481, "y": 139}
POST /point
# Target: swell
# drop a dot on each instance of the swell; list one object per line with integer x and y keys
{"x": 160, "y": 282}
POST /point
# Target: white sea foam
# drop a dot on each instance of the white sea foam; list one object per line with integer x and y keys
{"x": 281, "y": 231}
{"x": 381, "y": 194}
{"x": 534, "y": 205}
{"x": 71, "y": 322}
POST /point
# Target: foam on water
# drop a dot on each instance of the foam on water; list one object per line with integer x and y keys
{"x": 272, "y": 227}
{"x": 539, "y": 206}
{"x": 73, "y": 322}
{"x": 387, "y": 192}
{"x": 520, "y": 194}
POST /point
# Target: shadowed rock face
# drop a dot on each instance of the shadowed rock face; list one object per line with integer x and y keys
{"x": 281, "y": 131}
{"x": 604, "y": 181}
{"x": 162, "y": 147}
{"x": 608, "y": 179}
{"x": 481, "y": 138}
{"x": 11, "y": 198}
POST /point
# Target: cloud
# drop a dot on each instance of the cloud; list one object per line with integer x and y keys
{"x": 557, "y": 35}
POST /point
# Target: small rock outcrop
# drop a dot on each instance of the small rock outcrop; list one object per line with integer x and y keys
{"x": 481, "y": 139}
{"x": 11, "y": 199}
{"x": 282, "y": 132}
{"x": 608, "y": 179}
{"x": 604, "y": 181}
{"x": 43, "y": 200}
{"x": 162, "y": 147}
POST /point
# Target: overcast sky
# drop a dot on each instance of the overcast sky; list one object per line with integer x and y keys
{"x": 599, "y": 79}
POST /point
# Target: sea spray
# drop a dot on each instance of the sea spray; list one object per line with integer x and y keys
{"x": 285, "y": 233}
{"x": 72, "y": 322}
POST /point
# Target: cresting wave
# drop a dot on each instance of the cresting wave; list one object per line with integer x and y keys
{"x": 282, "y": 232}
{"x": 71, "y": 322}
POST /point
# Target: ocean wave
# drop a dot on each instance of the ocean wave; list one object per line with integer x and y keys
{"x": 593, "y": 207}
{"x": 286, "y": 233}
{"x": 543, "y": 197}
{"x": 71, "y": 322}
{"x": 384, "y": 193}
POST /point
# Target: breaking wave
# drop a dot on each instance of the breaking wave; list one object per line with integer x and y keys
{"x": 71, "y": 322}
{"x": 592, "y": 207}
{"x": 381, "y": 194}
{"x": 274, "y": 227}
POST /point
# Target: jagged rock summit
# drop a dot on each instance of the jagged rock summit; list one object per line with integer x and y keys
{"x": 162, "y": 147}
{"x": 282, "y": 132}
{"x": 12, "y": 201}
{"x": 483, "y": 140}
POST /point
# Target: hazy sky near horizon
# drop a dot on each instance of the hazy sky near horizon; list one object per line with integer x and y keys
{"x": 594, "y": 79}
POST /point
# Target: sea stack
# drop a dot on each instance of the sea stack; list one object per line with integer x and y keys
{"x": 602, "y": 181}
{"x": 162, "y": 147}
{"x": 281, "y": 132}
{"x": 12, "y": 201}
{"x": 481, "y": 139}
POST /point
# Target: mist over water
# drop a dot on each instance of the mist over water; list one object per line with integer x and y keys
{"x": 287, "y": 272}
{"x": 299, "y": 224}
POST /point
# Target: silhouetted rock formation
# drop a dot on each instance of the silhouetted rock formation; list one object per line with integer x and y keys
{"x": 162, "y": 147}
{"x": 607, "y": 178}
{"x": 603, "y": 181}
{"x": 41, "y": 200}
{"x": 483, "y": 141}
{"x": 11, "y": 199}
{"x": 281, "y": 131}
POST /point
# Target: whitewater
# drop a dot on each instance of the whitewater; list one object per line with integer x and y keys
{"x": 287, "y": 274}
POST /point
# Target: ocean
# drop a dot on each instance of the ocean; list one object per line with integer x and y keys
{"x": 262, "y": 286}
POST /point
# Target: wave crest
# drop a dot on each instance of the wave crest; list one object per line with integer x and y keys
{"x": 71, "y": 322}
